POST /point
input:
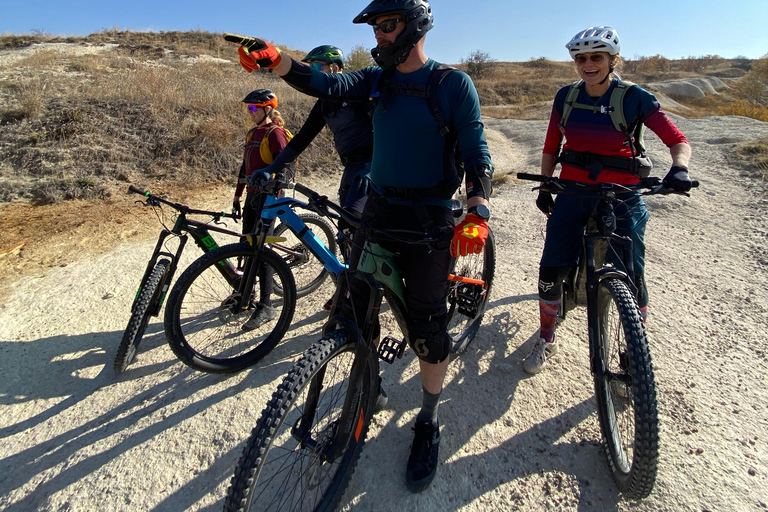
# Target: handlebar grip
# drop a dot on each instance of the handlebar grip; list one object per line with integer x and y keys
{"x": 303, "y": 190}
{"x": 137, "y": 190}
{"x": 531, "y": 177}
{"x": 694, "y": 183}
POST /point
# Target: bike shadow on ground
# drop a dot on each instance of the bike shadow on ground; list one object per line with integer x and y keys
{"x": 76, "y": 368}
{"x": 472, "y": 406}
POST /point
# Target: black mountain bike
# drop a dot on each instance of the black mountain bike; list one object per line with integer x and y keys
{"x": 305, "y": 446}
{"x": 619, "y": 354}
{"x": 163, "y": 264}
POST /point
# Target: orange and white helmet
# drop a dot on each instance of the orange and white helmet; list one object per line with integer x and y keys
{"x": 594, "y": 39}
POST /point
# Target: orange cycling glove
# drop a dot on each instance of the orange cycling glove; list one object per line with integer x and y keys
{"x": 255, "y": 53}
{"x": 469, "y": 236}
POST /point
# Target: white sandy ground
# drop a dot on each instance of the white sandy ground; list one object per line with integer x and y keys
{"x": 161, "y": 437}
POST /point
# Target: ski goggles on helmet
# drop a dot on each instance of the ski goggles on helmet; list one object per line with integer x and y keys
{"x": 387, "y": 26}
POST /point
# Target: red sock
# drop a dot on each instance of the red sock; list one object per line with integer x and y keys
{"x": 644, "y": 314}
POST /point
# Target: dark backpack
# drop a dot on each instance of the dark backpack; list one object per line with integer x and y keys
{"x": 453, "y": 165}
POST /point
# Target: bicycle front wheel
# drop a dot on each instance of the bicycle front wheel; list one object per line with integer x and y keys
{"x": 147, "y": 301}
{"x": 308, "y": 271}
{"x": 285, "y": 464}
{"x": 203, "y": 326}
{"x": 626, "y": 394}
{"x": 469, "y": 288}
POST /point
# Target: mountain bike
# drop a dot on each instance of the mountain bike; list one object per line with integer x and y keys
{"x": 619, "y": 354}
{"x": 306, "y": 444}
{"x": 163, "y": 263}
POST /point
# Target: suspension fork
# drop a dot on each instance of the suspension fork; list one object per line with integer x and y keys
{"x": 593, "y": 279}
{"x": 353, "y": 413}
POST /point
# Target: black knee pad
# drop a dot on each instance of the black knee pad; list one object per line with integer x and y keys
{"x": 551, "y": 282}
{"x": 429, "y": 339}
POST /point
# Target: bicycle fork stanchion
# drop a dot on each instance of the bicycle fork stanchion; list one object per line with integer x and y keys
{"x": 593, "y": 280}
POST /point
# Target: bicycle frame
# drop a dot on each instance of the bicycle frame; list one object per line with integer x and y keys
{"x": 378, "y": 270}
{"x": 182, "y": 228}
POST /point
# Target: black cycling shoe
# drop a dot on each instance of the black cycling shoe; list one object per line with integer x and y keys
{"x": 422, "y": 463}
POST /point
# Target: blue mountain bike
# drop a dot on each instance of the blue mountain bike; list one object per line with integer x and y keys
{"x": 204, "y": 328}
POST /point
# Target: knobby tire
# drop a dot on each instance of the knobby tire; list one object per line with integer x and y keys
{"x": 202, "y": 329}
{"x": 275, "y": 472}
{"x": 146, "y": 302}
{"x": 627, "y": 407}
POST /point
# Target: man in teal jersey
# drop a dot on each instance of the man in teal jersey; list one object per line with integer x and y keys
{"x": 413, "y": 176}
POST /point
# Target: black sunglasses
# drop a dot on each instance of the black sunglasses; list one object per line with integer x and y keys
{"x": 387, "y": 26}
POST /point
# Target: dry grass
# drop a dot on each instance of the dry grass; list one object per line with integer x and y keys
{"x": 76, "y": 126}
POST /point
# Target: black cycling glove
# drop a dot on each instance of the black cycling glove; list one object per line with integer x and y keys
{"x": 544, "y": 202}
{"x": 677, "y": 179}
{"x": 236, "y": 211}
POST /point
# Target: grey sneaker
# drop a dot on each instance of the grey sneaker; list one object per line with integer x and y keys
{"x": 537, "y": 359}
{"x": 262, "y": 315}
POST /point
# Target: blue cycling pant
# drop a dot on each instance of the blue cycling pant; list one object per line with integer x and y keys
{"x": 565, "y": 232}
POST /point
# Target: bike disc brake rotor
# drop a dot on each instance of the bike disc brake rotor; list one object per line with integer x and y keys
{"x": 228, "y": 313}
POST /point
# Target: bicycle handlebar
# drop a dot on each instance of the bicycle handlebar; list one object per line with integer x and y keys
{"x": 323, "y": 205}
{"x": 653, "y": 184}
{"x": 153, "y": 200}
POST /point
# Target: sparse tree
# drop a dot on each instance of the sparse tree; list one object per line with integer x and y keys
{"x": 359, "y": 57}
{"x": 478, "y": 65}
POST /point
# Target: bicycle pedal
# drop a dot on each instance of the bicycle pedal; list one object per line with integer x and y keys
{"x": 469, "y": 298}
{"x": 389, "y": 348}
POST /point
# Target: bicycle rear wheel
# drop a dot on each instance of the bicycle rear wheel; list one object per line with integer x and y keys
{"x": 202, "y": 327}
{"x": 279, "y": 471}
{"x": 308, "y": 271}
{"x": 469, "y": 288}
{"x": 626, "y": 395}
{"x": 147, "y": 304}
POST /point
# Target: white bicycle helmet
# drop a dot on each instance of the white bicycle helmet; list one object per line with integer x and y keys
{"x": 594, "y": 39}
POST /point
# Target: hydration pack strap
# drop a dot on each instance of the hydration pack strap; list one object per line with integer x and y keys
{"x": 639, "y": 166}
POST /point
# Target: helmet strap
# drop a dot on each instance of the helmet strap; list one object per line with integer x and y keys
{"x": 610, "y": 70}
{"x": 266, "y": 116}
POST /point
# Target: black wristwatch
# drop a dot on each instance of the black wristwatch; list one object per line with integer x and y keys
{"x": 481, "y": 211}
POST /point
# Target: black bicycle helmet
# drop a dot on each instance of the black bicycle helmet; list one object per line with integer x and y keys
{"x": 261, "y": 98}
{"x": 418, "y": 21}
{"x": 326, "y": 53}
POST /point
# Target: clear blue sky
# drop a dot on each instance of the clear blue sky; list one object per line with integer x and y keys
{"x": 509, "y": 30}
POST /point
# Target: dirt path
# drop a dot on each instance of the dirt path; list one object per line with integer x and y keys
{"x": 162, "y": 437}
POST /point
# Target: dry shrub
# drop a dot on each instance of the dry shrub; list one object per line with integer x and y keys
{"x": 40, "y": 59}
{"x": 88, "y": 64}
{"x": 745, "y": 108}
{"x": 755, "y": 156}
{"x": 651, "y": 65}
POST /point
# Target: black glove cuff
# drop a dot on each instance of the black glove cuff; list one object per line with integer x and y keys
{"x": 478, "y": 181}
{"x": 678, "y": 168}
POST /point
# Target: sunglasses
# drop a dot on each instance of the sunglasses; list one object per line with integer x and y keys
{"x": 596, "y": 58}
{"x": 387, "y": 26}
{"x": 317, "y": 65}
{"x": 253, "y": 108}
